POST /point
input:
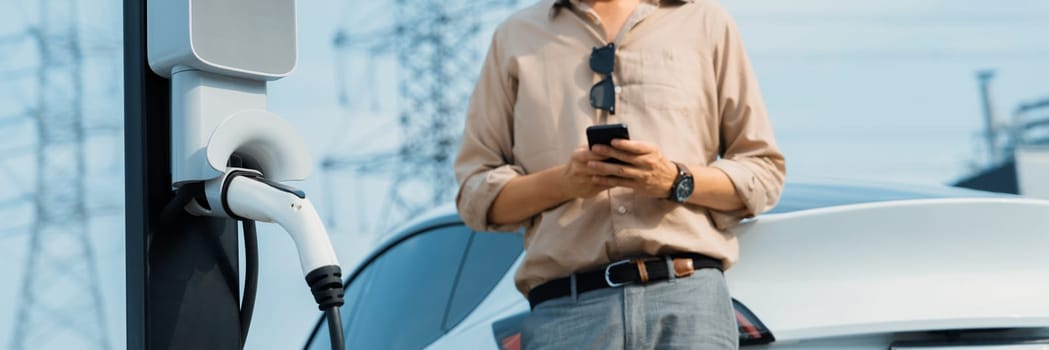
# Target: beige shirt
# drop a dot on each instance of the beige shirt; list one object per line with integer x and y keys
{"x": 683, "y": 83}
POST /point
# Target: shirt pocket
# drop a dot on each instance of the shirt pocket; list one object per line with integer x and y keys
{"x": 547, "y": 108}
{"x": 671, "y": 80}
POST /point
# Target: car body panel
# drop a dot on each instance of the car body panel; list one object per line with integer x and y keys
{"x": 476, "y": 330}
{"x": 956, "y": 263}
{"x": 812, "y": 194}
{"x": 850, "y": 266}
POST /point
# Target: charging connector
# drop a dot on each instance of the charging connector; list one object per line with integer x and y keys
{"x": 244, "y": 194}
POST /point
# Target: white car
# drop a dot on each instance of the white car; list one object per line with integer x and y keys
{"x": 833, "y": 266}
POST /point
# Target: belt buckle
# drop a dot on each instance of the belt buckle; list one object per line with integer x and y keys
{"x": 608, "y": 277}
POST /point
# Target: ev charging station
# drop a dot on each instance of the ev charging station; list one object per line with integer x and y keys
{"x": 201, "y": 152}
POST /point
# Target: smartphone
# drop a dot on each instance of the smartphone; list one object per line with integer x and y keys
{"x": 604, "y": 134}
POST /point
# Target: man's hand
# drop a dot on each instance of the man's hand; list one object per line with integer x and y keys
{"x": 647, "y": 171}
{"x": 531, "y": 194}
{"x": 576, "y": 178}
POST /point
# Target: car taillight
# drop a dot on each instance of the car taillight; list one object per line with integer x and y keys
{"x": 512, "y": 342}
{"x": 751, "y": 330}
{"x": 507, "y": 331}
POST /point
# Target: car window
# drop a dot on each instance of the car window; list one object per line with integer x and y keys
{"x": 402, "y": 305}
{"x": 488, "y": 259}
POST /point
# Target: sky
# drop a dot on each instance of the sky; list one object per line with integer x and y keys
{"x": 862, "y": 91}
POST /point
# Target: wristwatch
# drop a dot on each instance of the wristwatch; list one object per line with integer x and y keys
{"x": 683, "y": 184}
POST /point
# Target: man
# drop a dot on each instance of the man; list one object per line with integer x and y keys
{"x": 620, "y": 256}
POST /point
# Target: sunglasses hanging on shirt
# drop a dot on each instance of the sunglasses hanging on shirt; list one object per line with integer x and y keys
{"x": 603, "y": 94}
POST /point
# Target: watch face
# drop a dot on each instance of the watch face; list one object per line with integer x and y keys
{"x": 684, "y": 189}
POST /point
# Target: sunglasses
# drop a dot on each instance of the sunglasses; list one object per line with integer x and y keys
{"x": 603, "y": 94}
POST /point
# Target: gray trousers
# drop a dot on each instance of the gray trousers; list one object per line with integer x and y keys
{"x": 687, "y": 313}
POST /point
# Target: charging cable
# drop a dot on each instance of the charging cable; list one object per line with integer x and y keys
{"x": 246, "y": 195}
{"x": 171, "y": 214}
{"x": 251, "y": 278}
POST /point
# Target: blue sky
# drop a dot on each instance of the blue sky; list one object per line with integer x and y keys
{"x": 886, "y": 91}
{"x": 878, "y": 91}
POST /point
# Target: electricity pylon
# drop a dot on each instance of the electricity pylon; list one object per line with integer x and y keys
{"x": 61, "y": 296}
{"x": 438, "y": 57}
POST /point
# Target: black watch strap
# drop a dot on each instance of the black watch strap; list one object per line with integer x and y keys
{"x": 682, "y": 186}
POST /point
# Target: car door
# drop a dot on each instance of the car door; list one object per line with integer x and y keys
{"x": 400, "y": 298}
{"x": 488, "y": 259}
{"x": 466, "y": 267}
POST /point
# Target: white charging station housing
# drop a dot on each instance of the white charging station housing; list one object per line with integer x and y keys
{"x": 252, "y": 39}
{"x": 219, "y": 55}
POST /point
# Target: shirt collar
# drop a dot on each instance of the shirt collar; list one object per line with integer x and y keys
{"x": 576, "y": 2}
{"x": 562, "y": 3}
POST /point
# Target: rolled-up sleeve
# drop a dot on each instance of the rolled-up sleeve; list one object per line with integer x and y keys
{"x": 749, "y": 155}
{"x": 485, "y": 161}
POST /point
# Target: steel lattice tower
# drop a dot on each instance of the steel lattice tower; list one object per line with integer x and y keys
{"x": 61, "y": 296}
{"x": 438, "y": 61}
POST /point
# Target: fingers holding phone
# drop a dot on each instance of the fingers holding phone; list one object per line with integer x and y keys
{"x": 625, "y": 163}
{"x": 576, "y": 178}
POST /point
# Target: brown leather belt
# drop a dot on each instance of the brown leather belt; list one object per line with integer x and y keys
{"x": 621, "y": 273}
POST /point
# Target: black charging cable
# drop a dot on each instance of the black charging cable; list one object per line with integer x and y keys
{"x": 251, "y": 265}
{"x": 335, "y": 328}
{"x": 171, "y": 214}
{"x": 251, "y": 278}
{"x": 326, "y": 284}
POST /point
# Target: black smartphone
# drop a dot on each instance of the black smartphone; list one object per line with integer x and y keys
{"x": 604, "y": 134}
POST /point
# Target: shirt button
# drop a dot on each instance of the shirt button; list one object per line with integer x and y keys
{"x": 621, "y": 210}
{"x": 619, "y": 89}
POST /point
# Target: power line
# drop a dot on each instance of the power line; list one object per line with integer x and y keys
{"x": 15, "y": 201}
{"x": 16, "y": 74}
{"x": 14, "y": 178}
{"x": 18, "y": 151}
{"x": 16, "y": 119}
{"x": 12, "y": 232}
{"x": 13, "y": 39}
